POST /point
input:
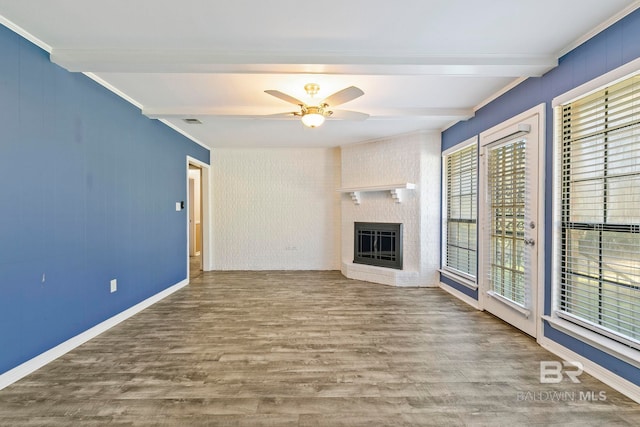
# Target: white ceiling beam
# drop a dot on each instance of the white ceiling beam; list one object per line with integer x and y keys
{"x": 252, "y": 113}
{"x": 205, "y": 61}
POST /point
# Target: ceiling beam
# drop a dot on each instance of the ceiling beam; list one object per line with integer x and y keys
{"x": 206, "y": 61}
{"x": 252, "y": 113}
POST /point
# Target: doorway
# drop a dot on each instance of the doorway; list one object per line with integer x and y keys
{"x": 197, "y": 215}
{"x": 510, "y": 220}
{"x": 195, "y": 221}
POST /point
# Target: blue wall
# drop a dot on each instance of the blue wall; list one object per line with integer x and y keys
{"x": 616, "y": 46}
{"x": 87, "y": 194}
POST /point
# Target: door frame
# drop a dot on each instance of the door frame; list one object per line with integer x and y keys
{"x": 495, "y": 133}
{"x": 205, "y": 217}
{"x": 192, "y": 224}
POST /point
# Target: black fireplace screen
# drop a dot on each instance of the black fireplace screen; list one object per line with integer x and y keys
{"x": 378, "y": 243}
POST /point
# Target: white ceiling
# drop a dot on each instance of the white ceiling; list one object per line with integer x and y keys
{"x": 423, "y": 64}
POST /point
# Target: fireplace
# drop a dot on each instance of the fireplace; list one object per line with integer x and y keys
{"x": 378, "y": 243}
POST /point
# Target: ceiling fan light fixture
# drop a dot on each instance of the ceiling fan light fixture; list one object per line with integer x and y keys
{"x": 313, "y": 117}
{"x": 313, "y": 120}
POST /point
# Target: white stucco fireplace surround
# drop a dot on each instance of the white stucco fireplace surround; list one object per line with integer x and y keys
{"x": 395, "y": 180}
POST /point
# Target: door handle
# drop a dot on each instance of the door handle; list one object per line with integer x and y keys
{"x": 529, "y": 242}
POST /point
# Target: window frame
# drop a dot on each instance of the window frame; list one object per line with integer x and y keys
{"x": 464, "y": 278}
{"x": 614, "y": 345}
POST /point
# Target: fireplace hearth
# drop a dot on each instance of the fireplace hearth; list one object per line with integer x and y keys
{"x": 378, "y": 244}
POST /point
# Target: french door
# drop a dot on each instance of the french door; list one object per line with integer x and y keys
{"x": 509, "y": 177}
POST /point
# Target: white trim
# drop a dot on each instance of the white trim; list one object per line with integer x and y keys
{"x": 581, "y": 333}
{"x": 135, "y": 103}
{"x": 505, "y": 133}
{"x": 601, "y": 342}
{"x": 494, "y": 134}
{"x": 511, "y": 304}
{"x": 461, "y": 296}
{"x": 48, "y": 356}
{"x": 542, "y": 202}
{"x": 556, "y": 208}
{"x": 453, "y": 123}
{"x": 614, "y": 381}
{"x": 612, "y": 77}
{"x": 205, "y": 60}
{"x": 460, "y": 146}
{"x": 599, "y": 329}
{"x": 185, "y": 134}
{"x": 25, "y": 34}
{"x": 42, "y": 45}
{"x": 396, "y": 190}
{"x": 409, "y": 134}
{"x": 459, "y": 278}
{"x": 113, "y": 89}
{"x": 387, "y": 187}
{"x": 465, "y": 281}
{"x": 598, "y": 29}
{"x": 383, "y": 275}
{"x": 499, "y": 93}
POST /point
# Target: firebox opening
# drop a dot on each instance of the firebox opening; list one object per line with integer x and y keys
{"x": 378, "y": 243}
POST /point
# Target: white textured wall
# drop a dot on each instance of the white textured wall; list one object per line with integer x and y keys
{"x": 276, "y": 209}
{"x": 411, "y": 158}
{"x": 430, "y": 191}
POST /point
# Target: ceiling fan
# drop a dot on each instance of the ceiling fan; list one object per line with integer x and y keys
{"x": 315, "y": 115}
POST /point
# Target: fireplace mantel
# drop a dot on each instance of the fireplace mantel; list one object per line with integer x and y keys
{"x": 396, "y": 191}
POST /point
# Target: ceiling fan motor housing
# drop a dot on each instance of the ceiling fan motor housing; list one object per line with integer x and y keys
{"x": 309, "y": 109}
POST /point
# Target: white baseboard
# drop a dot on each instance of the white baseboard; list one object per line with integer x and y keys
{"x": 464, "y": 297}
{"x": 614, "y": 381}
{"x": 48, "y": 356}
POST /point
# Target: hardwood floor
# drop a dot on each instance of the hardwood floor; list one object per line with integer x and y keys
{"x": 195, "y": 266}
{"x": 307, "y": 349}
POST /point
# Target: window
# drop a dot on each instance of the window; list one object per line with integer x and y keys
{"x": 460, "y": 168}
{"x": 598, "y": 236}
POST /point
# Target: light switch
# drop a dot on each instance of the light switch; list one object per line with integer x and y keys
{"x": 178, "y": 207}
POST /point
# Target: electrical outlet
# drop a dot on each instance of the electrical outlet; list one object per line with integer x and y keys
{"x": 114, "y": 285}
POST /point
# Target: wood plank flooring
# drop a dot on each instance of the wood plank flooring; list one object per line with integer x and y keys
{"x": 307, "y": 349}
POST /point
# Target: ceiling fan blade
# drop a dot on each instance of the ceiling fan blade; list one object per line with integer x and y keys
{"x": 345, "y": 95}
{"x": 284, "y": 97}
{"x": 279, "y": 116}
{"x": 349, "y": 115}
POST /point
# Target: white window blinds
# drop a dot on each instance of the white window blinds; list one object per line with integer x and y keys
{"x": 461, "y": 176}
{"x": 599, "y": 236}
{"x": 507, "y": 197}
